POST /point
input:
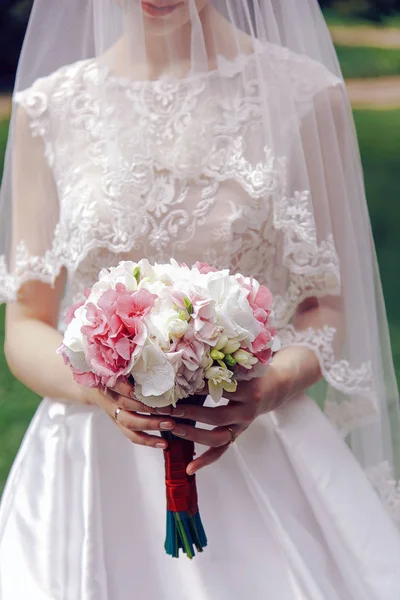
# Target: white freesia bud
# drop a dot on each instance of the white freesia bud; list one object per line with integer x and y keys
{"x": 177, "y": 327}
{"x": 222, "y": 341}
{"x": 245, "y": 359}
{"x": 231, "y": 347}
{"x": 219, "y": 379}
{"x": 207, "y": 361}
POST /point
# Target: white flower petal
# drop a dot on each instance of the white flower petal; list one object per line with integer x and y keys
{"x": 73, "y": 337}
{"x": 166, "y": 399}
{"x": 215, "y": 390}
{"x": 77, "y": 360}
{"x": 153, "y": 372}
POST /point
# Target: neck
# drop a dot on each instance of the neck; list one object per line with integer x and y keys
{"x": 174, "y": 52}
{"x": 168, "y": 54}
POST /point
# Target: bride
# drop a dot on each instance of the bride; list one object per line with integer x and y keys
{"x": 215, "y": 131}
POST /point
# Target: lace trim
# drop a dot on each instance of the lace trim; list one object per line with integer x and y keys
{"x": 353, "y": 413}
{"x": 39, "y": 268}
{"x": 356, "y": 383}
{"x": 339, "y": 374}
{"x": 387, "y": 488}
{"x": 314, "y": 268}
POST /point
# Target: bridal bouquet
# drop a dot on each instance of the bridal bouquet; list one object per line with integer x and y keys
{"x": 175, "y": 332}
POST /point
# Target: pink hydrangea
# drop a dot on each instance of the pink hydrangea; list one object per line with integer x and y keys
{"x": 70, "y": 314}
{"x": 259, "y": 298}
{"x": 116, "y": 332}
{"x": 85, "y": 378}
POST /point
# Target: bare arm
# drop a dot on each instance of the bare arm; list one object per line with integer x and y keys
{"x": 32, "y": 340}
{"x": 31, "y": 323}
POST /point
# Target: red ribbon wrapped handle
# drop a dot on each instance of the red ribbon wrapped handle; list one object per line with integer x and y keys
{"x": 180, "y": 487}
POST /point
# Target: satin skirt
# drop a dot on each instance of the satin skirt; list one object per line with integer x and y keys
{"x": 288, "y": 512}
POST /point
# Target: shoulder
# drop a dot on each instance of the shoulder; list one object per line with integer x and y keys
{"x": 305, "y": 75}
{"x": 48, "y": 95}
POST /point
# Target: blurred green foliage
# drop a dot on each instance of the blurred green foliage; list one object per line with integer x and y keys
{"x": 17, "y": 406}
{"x": 359, "y": 61}
{"x": 378, "y": 137}
{"x": 3, "y": 142}
{"x": 373, "y": 10}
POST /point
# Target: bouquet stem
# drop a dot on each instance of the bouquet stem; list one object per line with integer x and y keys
{"x": 184, "y": 526}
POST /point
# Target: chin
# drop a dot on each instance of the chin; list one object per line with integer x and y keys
{"x": 162, "y": 18}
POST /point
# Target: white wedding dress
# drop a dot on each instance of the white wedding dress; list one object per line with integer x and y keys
{"x": 289, "y": 512}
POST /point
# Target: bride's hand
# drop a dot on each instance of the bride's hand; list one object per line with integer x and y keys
{"x": 292, "y": 371}
{"x": 133, "y": 417}
{"x": 251, "y": 399}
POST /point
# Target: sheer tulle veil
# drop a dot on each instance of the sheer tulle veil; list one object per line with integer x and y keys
{"x": 298, "y": 161}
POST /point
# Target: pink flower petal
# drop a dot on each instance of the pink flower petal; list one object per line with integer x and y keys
{"x": 71, "y": 311}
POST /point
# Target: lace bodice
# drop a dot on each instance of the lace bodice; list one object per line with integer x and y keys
{"x": 191, "y": 177}
{"x": 185, "y": 169}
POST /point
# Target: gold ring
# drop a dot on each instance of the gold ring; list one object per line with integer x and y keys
{"x": 117, "y": 411}
{"x": 233, "y": 435}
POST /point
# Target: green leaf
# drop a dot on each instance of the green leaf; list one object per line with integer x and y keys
{"x": 136, "y": 274}
{"x": 188, "y": 305}
{"x": 229, "y": 360}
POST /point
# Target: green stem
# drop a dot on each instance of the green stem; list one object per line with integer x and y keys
{"x": 185, "y": 541}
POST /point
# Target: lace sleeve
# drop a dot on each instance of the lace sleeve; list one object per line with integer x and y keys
{"x": 319, "y": 240}
{"x": 31, "y": 195}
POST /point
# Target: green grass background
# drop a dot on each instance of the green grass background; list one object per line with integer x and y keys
{"x": 343, "y": 17}
{"x": 378, "y": 135}
{"x": 362, "y": 62}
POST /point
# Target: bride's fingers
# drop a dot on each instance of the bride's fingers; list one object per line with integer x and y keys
{"x": 144, "y": 439}
{"x": 135, "y": 422}
{"x": 208, "y": 458}
{"x": 218, "y": 416}
{"x": 247, "y": 392}
{"x": 128, "y": 403}
{"x": 220, "y": 436}
{"x": 123, "y": 388}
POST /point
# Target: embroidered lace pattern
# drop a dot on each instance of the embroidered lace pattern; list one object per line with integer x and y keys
{"x": 184, "y": 186}
{"x": 339, "y": 374}
{"x": 356, "y": 382}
